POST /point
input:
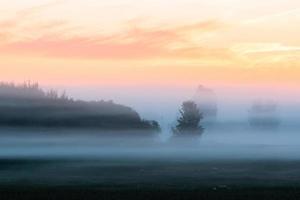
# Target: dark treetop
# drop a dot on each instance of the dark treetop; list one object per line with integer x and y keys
{"x": 28, "y": 105}
{"x": 189, "y": 121}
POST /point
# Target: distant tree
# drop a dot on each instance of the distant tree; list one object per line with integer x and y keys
{"x": 52, "y": 94}
{"x": 155, "y": 125}
{"x": 64, "y": 96}
{"x": 189, "y": 121}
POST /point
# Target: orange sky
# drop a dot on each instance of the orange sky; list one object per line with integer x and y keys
{"x": 151, "y": 42}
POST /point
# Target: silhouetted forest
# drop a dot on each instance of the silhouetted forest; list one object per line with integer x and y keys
{"x": 28, "y": 105}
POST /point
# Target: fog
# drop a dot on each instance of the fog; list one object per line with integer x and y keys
{"x": 231, "y": 142}
{"x": 233, "y": 101}
{"x": 240, "y": 129}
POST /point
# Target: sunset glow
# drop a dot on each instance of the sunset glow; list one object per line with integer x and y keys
{"x": 117, "y": 42}
{"x": 150, "y": 99}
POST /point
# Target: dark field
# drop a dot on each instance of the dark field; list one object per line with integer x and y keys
{"x": 176, "y": 194}
{"x": 148, "y": 179}
{"x": 157, "y": 174}
{"x": 92, "y": 167}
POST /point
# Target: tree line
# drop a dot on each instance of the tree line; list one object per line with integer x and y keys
{"x": 28, "y": 105}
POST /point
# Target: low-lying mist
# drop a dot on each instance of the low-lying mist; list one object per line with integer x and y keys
{"x": 230, "y": 143}
{"x": 45, "y": 124}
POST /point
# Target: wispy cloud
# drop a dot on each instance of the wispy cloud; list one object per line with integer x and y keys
{"x": 134, "y": 43}
{"x": 273, "y": 16}
{"x": 39, "y": 8}
{"x": 266, "y": 56}
{"x": 254, "y": 48}
{"x": 15, "y": 24}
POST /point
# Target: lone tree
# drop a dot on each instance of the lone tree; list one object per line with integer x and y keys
{"x": 189, "y": 120}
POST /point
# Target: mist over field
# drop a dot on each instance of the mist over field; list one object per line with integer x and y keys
{"x": 150, "y": 99}
{"x": 225, "y": 143}
{"x": 223, "y": 158}
{"x": 245, "y": 126}
{"x": 162, "y": 103}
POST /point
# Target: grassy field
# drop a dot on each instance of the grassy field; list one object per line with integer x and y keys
{"x": 175, "y": 194}
{"x": 82, "y": 166}
{"x": 133, "y": 178}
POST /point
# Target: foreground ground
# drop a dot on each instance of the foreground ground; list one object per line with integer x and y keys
{"x": 136, "y": 178}
{"x": 79, "y": 166}
{"x": 174, "y": 194}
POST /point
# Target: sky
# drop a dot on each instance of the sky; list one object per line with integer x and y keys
{"x": 138, "y": 51}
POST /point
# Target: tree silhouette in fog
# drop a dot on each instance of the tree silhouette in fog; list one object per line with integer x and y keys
{"x": 189, "y": 121}
{"x": 28, "y": 105}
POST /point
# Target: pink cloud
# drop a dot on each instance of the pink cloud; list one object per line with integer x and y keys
{"x": 136, "y": 43}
